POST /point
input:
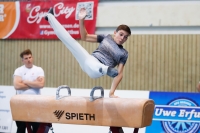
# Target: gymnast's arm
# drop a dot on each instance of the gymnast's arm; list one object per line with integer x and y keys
{"x": 84, "y": 34}
{"x": 38, "y": 83}
{"x": 18, "y": 83}
{"x": 116, "y": 80}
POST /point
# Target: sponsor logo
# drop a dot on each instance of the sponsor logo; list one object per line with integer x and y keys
{"x": 58, "y": 113}
{"x": 74, "y": 116}
{"x": 9, "y": 18}
{"x": 80, "y": 116}
{"x": 36, "y": 14}
{"x": 179, "y": 116}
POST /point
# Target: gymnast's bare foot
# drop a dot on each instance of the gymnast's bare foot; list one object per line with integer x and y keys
{"x": 113, "y": 96}
{"x": 50, "y": 11}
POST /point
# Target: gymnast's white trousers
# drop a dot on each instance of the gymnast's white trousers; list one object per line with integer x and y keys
{"x": 89, "y": 64}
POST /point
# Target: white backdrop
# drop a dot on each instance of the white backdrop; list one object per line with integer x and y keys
{"x": 6, "y": 92}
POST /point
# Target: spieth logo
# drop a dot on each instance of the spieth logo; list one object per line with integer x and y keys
{"x": 58, "y": 113}
{"x": 179, "y": 116}
{"x": 36, "y": 15}
{"x": 74, "y": 116}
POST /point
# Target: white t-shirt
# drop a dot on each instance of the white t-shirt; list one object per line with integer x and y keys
{"x": 29, "y": 74}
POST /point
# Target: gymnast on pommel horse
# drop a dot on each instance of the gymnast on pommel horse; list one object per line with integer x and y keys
{"x": 109, "y": 54}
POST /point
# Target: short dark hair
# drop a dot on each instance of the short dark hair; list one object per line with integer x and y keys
{"x": 124, "y": 27}
{"x": 25, "y": 52}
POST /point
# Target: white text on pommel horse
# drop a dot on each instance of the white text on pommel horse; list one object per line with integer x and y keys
{"x": 80, "y": 116}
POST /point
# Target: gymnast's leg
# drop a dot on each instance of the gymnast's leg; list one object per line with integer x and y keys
{"x": 88, "y": 63}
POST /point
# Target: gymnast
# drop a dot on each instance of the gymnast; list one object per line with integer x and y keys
{"x": 109, "y": 54}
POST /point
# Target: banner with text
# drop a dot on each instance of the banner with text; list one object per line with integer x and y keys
{"x": 175, "y": 112}
{"x": 25, "y": 20}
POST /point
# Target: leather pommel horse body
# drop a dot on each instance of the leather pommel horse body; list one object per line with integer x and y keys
{"x": 116, "y": 112}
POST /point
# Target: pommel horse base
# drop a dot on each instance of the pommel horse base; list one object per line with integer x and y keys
{"x": 99, "y": 111}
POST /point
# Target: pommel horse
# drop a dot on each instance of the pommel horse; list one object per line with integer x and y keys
{"x": 93, "y": 110}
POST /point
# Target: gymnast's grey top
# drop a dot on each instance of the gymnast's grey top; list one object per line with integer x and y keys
{"x": 108, "y": 52}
